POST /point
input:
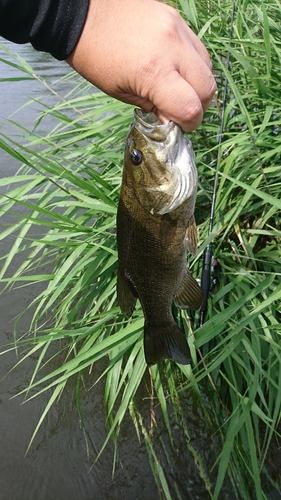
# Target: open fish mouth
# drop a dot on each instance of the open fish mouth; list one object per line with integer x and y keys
{"x": 151, "y": 127}
{"x": 147, "y": 119}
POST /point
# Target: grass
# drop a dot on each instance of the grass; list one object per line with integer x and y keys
{"x": 68, "y": 185}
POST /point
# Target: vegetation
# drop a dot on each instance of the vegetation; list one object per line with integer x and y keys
{"x": 68, "y": 185}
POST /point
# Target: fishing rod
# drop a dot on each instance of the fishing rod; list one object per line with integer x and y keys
{"x": 208, "y": 253}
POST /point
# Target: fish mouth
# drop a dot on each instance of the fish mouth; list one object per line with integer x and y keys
{"x": 149, "y": 125}
{"x": 146, "y": 118}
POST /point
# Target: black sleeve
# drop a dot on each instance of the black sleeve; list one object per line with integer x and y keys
{"x": 52, "y": 26}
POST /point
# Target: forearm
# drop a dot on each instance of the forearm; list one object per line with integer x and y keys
{"x": 50, "y": 26}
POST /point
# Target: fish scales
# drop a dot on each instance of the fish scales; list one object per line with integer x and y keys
{"x": 155, "y": 227}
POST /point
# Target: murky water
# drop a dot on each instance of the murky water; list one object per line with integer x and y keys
{"x": 58, "y": 466}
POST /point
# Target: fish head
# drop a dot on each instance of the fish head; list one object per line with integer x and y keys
{"x": 159, "y": 163}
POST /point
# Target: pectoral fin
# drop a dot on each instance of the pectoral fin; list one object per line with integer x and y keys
{"x": 191, "y": 236}
{"x": 125, "y": 296}
{"x": 190, "y": 294}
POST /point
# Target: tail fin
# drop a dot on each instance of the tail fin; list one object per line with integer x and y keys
{"x": 167, "y": 342}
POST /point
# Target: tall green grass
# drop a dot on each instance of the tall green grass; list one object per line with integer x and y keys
{"x": 68, "y": 185}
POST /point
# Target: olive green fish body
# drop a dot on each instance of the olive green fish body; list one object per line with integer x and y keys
{"x": 152, "y": 250}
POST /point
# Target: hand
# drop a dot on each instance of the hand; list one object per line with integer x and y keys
{"x": 143, "y": 53}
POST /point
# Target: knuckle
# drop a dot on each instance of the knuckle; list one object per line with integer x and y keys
{"x": 169, "y": 23}
{"x": 171, "y": 27}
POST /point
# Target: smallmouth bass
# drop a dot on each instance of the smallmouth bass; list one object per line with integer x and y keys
{"x": 155, "y": 228}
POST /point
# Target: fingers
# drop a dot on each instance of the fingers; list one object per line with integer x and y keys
{"x": 183, "y": 106}
{"x": 198, "y": 46}
{"x": 184, "y": 99}
{"x": 196, "y": 69}
{"x": 200, "y": 79}
{"x": 173, "y": 97}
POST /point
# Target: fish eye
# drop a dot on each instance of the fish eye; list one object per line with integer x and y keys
{"x": 136, "y": 157}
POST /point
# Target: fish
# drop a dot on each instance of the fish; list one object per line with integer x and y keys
{"x": 155, "y": 229}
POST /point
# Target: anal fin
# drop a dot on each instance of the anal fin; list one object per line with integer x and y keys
{"x": 125, "y": 296}
{"x": 190, "y": 294}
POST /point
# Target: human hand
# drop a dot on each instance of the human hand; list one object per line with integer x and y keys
{"x": 143, "y": 53}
